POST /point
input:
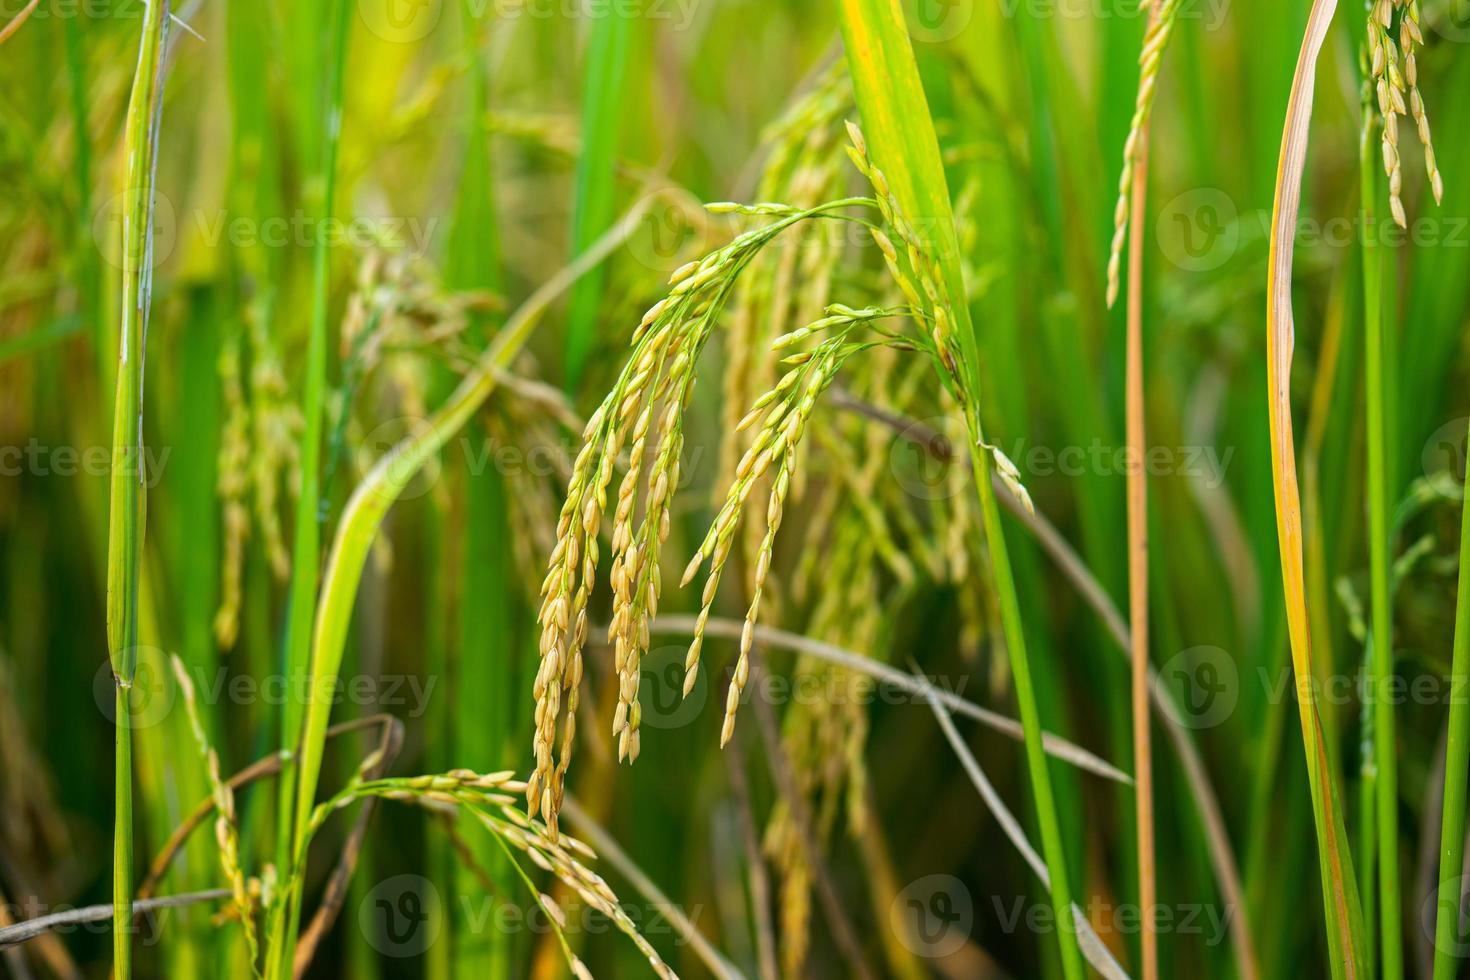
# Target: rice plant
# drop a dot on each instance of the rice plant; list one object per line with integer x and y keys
{"x": 740, "y": 490}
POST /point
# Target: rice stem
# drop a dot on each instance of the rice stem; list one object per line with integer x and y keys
{"x": 128, "y": 505}
{"x": 1447, "y": 935}
{"x": 306, "y": 548}
{"x": 1380, "y": 662}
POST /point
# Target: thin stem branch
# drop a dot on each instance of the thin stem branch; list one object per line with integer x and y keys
{"x": 31, "y": 928}
{"x": 389, "y": 745}
{"x": 837, "y": 922}
{"x": 18, "y": 20}
{"x": 264, "y": 768}
{"x": 1092, "y": 946}
{"x": 1055, "y": 745}
{"x": 607, "y": 848}
{"x": 760, "y": 880}
{"x": 1138, "y": 563}
{"x": 1222, "y": 854}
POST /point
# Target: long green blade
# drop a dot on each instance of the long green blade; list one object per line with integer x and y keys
{"x": 603, "y": 112}
{"x": 128, "y": 504}
{"x": 306, "y": 550}
{"x": 901, "y": 135}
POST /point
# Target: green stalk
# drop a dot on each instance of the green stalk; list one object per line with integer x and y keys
{"x": 603, "y": 114}
{"x": 127, "y": 508}
{"x": 1457, "y": 759}
{"x": 306, "y": 550}
{"x": 1444, "y": 267}
{"x": 1368, "y": 816}
{"x": 901, "y": 134}
{"x": 1046, "y": 809}
{"x": 1067, "y": 343}
{"x": 1380, "y": 663}
{"x": 474, "y": 731}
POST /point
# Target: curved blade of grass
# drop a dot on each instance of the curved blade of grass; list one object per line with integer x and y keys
{"x": 1343, "y": 914}
{"x": 306, "y": 545}
{"x": 1457, "y": 760}
{"x": 592, "y": 210}
{"x": 127, "y": 508}
{"x": 371, "y": 499}
{"x": 901, "y": 134}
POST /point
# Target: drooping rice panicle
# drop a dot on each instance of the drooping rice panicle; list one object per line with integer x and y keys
{"x": 656, "y": 384}
{"x": 783, "y": 417}
{"x": 277, "y": 423}
{"x": 1155, "y": 39}
{"x": 1411, "y": 36}
{"x": 491, "y": 799}
{"x": 1394, "y": 31}
{"x": 233, "y": 486}
{"x": 1388, "y": 83}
